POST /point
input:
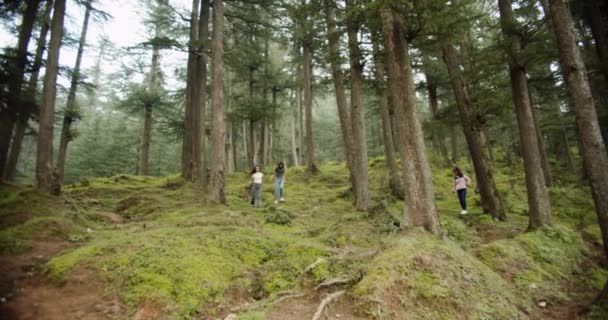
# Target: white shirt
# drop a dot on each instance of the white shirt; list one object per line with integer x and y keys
{"x": 257, "y": 177}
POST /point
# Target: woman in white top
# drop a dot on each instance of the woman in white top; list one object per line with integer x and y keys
{"x": 256, "y": 187}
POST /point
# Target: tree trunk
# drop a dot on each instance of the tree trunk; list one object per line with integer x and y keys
{"x": 71, "y": 109}
{"x": 147, "y": 136}
{"x": 338, "y": 77}
{"x": 191, "y": 93}
{"x": 8, "y": 115}
{"x": 490, "y": 200}
{"x": 246, "y": 146}
{"x": 262, "y": 147}
{"x": 310, "y": 146}
{"x": 229, "y": 132}
{"x": 294, "y": 141}
{"x": 199, "y": 107}
{"x": 387, "y": 127}
{"x": 357, "y": 112}
{"x": 575, "y": 75}
{"x": 301, "y": 123}
{"x": 544, "y": 161}
{"x": 597, "y": 16}
{"x": 538, "y": 196}
{"x": 438, "y": 142}
{"x": 25, "y": 110}
{"x": 45, "y": 177}
{"x": 251, "y": 136}
{"x": 217, "y": 192}
{"x": 421, "y": 209}
{"x": 454, "y": 142}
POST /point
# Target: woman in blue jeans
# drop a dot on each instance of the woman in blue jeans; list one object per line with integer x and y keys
{"x": 461, "y": 181}
{"x": 279, "y": 183}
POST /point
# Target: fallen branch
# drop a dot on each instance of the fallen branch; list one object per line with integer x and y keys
{"x": 333, "y": 282}
{"x": 325, "y": 302}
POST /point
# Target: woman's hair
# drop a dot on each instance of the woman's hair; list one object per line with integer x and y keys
{"x": 280, "y": 167}
{"x": 458, "y": 172}
{"x": 255, "y": 169}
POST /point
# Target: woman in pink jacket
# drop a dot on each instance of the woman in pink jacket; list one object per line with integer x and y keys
{"x": 460, "y": 187}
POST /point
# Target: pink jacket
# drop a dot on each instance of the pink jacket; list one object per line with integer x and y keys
{"x": 461, "y": 182}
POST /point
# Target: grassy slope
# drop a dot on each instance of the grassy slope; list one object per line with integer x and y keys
{"x": 193, "y": 258}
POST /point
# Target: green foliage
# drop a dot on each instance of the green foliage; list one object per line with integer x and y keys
{"x": 189, "y": 256}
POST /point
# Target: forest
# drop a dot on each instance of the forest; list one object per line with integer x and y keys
{"x": 303, "y": 159}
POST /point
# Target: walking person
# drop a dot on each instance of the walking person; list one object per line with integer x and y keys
{"x": 461, "y": 182}
{"x": 256, "y": 187}
{"x": 279, "y": 183}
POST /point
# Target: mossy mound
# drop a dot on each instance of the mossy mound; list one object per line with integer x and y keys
{"x": 536, "y": 262}
{"x": 422, "y": 277}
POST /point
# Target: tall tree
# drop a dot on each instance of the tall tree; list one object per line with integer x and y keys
{"x": 490, "y": 200}
{"x": 421, "y": 209}
{"x": 27, "y": 108}
{"x": 216, "y": 191}
{"x": 538, "y": 196}
{"x": 307, "y": 48}
{"x": 335, "y": 60}
{"x": 357, "y": 112}
{"x": 193, "y": 146}
{"x": 8, "y": 114}
{"x": 593, "y": 148}
{"x": 387, "y": 127}
{"x": 71, "y": 112}
{"x": 45, "y": 177}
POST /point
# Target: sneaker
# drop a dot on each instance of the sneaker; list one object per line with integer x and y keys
{"x": 282, "y": 199}
{"x": 463, "y": 212}
{"x": 275, "y": 202}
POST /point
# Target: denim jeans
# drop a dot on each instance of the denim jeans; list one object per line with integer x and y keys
{"x": 279, "y": 188}
{"x": 462, "y": 197}
{"x": 256, "y": 192}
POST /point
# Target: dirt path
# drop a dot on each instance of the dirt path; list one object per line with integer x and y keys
{"x": 305, "y": 308}
{"x": 29, "y": 295}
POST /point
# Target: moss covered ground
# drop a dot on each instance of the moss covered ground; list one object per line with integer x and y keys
{"x": 199, "y": 261}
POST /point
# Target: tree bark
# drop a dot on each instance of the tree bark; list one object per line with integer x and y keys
{"x": 200, "y": 106}
{"x": 71, "y": 109}
{"x": 45, "y": 178}
{"x": 333, "y": 37}
{"x": 357, "y": 112}
{"x": 538, "y": 196}
{"x": 216, "y": 192}
{"x": 147, "y": 136}
{"x": 597, "y": 16}
{"x": 25, "y": 111}
{"x": 454, "y": 142}
{"x": 307, "y": 55}
{"x": 438, "y": 142}
{"x": 387, "y": 127}
{"x": 230, "y": 167}
{"x": 8, "y": 115}
{"x": 251, "y": 137}
{"x": 573, "y": 69}
{"x": 191, "y": 94}
{"x": 490, "y": 200}
{"x": 421, "y": 209}
{"x": 294, "y": 141}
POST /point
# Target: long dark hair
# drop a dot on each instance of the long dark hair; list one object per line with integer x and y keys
{"x": 458, "y": 172}
{"x": 280, "y": 167}
{"x": 254, "y": 169}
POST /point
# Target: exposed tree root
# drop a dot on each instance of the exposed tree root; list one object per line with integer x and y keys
{"x": 325, "y": 302}
{"x": 333, "y": 282}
